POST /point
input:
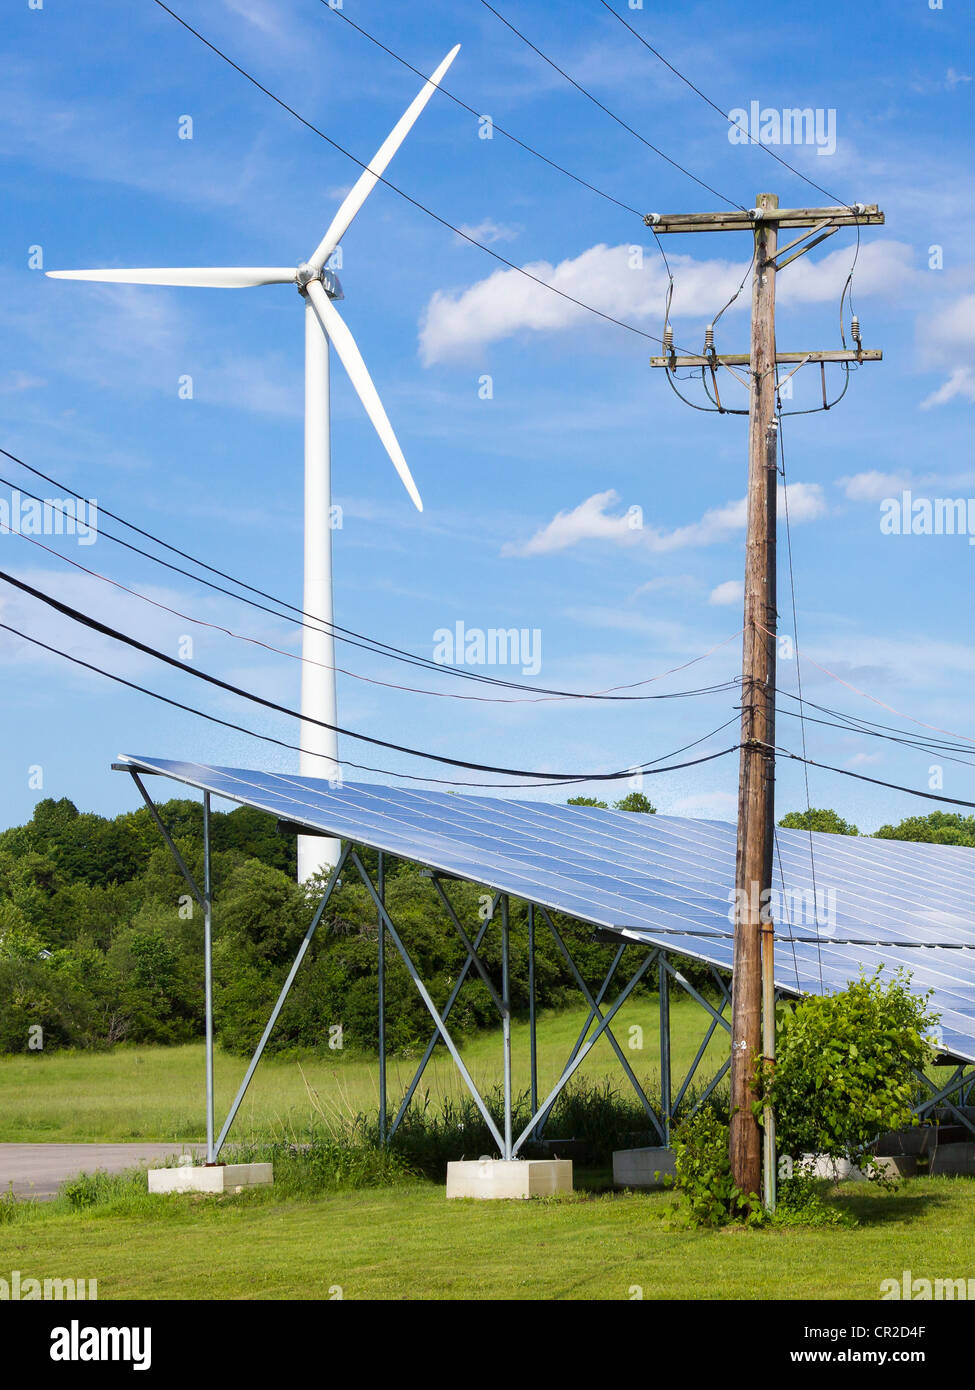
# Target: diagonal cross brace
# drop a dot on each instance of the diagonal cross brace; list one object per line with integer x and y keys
{"x": 587, "y": 1047}
{"x": 596, "y": 1012}
{"x": 451, "y": 1000}
{"x": 428, "y": 1001}
{"x": 471, "y": 950}
{"x": 180, "y": 862}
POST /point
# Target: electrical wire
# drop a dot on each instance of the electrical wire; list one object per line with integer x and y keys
{"x": 852, "y": 728}
{"x": 415, "y": 202}
{"x": 324, "y": 665}
{"x": 105, "y": 630}
{"x": 341, "y": 634}
{"x": 723, "y": 114}
{"x": 795, "y": 629}
{"x": 612, "y": 114}
{"x": 876, "y": 781}
{"x": 281, "y": 743}
{"x": 522, "y": 144}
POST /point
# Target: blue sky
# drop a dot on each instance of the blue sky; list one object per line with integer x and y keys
{"x": 526, "y": 493}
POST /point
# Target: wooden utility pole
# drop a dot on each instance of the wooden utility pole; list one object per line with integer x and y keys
{"x": 753, "y": 984}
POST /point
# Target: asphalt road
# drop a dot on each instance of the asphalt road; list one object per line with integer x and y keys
{"x": 37, "y": 1170}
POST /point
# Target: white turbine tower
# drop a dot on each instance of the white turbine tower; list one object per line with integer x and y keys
{"x": 323, "y": 325}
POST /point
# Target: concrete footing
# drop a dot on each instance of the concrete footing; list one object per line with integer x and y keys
{"x": 490, "y": 1179}
{"x": 221, "y": 1177}
{"x": 648, "y": 1168}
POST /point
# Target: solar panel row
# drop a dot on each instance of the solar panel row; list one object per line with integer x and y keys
{"x": 663, "y": 880}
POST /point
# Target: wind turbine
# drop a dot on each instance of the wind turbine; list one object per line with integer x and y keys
{"x": 319, "y": 288}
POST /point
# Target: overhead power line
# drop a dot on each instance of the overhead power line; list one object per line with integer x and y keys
{"x": 715, "y": 107}
{"x": 522, "y": 144}
{"x": 85, "y": 620}
{"x": 281, "y": 743}
{"x": 371, "y": 680}
{"x": 341, "y": 634}
{"x": 877, "y": 782}
{"x": 415, "y": 202}
{"x": 612, "y": 114}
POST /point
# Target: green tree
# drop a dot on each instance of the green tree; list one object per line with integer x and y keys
{"x": 939, "y": 828}
{"x": 818, "y": 819}
{"x": 587, "y": 801}
{"x": 636, "y": 801}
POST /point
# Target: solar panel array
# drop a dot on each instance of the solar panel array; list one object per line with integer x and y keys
{"x": 664, "y": 880}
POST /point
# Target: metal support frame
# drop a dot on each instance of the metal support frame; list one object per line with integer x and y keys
{"x": 603, "y": 1027}
{"x": 424, "y": 994}
{"x": 507, "y": 1145}
{"x": 333, "y": 883}
{"x": 451, "y": 1000}
{"x": 594, "y": 1013}
{"x": 940, "y": 1098}
{"x": 205, "y": 900}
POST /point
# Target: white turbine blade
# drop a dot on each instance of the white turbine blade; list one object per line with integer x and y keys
{"x": 370, "y": 176}
{"x": 205, "y": 277}
{"x": 344, "y": 344}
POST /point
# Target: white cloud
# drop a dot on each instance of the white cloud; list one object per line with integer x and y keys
{"x": 457, "y": 323}
{"x": 592, "y": 520}
{"x": 874, "y": 486}
{"x": 953, "y": 79}
{"x": 960, "y": 383}
{"x": 943, "y": 339}
{"x": 20, "y": 381}
{"x": 731, "y": 591}
{"x": 668, "y": 583}
{"x": 488, "y": 231}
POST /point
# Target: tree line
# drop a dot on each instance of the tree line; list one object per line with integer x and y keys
{"x": 101, "y": 941}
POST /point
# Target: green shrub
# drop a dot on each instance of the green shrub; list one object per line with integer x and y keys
{"x": 703, "y": 1175}
{"x": 845, "y": 1069}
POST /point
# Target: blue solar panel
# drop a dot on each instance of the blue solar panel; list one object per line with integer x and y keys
{"x": 664, "y": 880}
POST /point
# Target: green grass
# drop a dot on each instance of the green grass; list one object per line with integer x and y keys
{"x": 408, "y": 1242}
{"x": 156, "y": 1093}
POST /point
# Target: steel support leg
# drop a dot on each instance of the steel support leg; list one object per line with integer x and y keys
{"x": 533, "y": 1037}
{"x": 665, "y": 1101}
{"x": 506, "y": 1019}
{"x": 208, "y": 969}
{"x": 594, "y": 1012}
{"x": 285, "y": 991}
{"x": 381, "y": 936}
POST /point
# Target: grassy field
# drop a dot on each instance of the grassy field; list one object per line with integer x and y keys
{"x": 410, "y": 1243}
{"x": 157, "y": 1092}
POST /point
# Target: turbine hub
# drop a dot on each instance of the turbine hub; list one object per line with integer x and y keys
{"x": 306, "y": 274}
